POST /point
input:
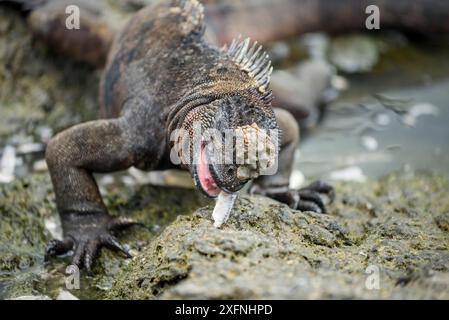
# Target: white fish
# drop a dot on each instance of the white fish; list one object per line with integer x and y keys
{"x": 223, "y": 207}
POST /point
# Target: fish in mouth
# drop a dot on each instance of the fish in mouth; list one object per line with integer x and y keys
{"x": 203, "y": 173}
{"x": 224, "y": 180}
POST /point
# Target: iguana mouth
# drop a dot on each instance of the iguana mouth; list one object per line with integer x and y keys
{"x": 203, "y": 175}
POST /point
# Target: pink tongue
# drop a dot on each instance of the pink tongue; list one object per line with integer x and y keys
{"x": 205, "y": 177}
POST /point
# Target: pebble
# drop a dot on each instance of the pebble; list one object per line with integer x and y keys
{"x": 280, "y": 50}
{"x": 65, "y": 295}
{"x": 7, "y": 164}
{"x": 369, "y": 142}
{"x": 354, "y": 53}
{"x": 296, "y": 179}
{"x": 317, "y": 44}
{"x": 382, "y": 119}
{"x": 417, "y": 110}
{"x": 31, "y": 147}
{"x": 353, "y": 173}
{"x": 31, "y": 298}
{"x": 53, "y": 226}
{"x": 40, "y": 166}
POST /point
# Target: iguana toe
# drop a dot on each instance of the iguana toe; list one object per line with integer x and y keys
{"x": 121, "y": 223}
{"x": 87, "y": 235}
{"x": 312, "y": 197}
{"x": 322, "y": 187}
{"x": 113, "y": 244}
{"x": 305, "y": 199}
{"x": 58, "y": 247}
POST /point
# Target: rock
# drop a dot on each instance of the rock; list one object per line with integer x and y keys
{"x": 24, "y": 204}
{"x": 7, "y": 164}
{"x": 417, "y": 110}
{"x": 442, "y": 221}
{"x": 29, "y": 220}
{"x": 354, "y": 53}
{"x": 353, "y": 173}
{"x": 395, "y": 226}
{"x": 267, "y": 250}
{"x": 65, "y": 295}
{"x": 258, "y": 253}
{"x": 302, "y": 89}
{"x": 31, "y": 298}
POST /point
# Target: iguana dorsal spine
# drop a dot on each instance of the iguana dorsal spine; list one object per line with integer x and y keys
{"x": 253, "y": 60}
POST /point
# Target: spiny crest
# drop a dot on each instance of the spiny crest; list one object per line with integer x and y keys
{"x": 252, "y": 60}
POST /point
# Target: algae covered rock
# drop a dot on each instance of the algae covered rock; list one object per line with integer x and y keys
{"x": 29, "y": 220}
{"x": 24, "y": 206}
{"x": 381, "y": 240}
{"x": 254, "y": 250}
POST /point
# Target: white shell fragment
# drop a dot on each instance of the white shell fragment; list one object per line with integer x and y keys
{"x": 223, "y": 207}
{"x": 353, "y": 173}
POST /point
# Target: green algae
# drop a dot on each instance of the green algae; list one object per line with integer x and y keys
{"x": 25, "y": 204}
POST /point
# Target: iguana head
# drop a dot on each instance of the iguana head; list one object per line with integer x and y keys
{"x": 229, "y": 133}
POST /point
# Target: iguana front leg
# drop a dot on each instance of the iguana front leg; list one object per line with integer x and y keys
{"x": 72, "y": 157}
{"x": 277, "y": 185}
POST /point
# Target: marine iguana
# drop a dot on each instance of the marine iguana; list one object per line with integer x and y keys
{"x": 161, "y": 76}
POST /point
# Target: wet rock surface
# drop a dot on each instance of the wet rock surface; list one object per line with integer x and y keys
{"x": 24, "y": 205}
{"x": 394, "y": 228}
{"x": 390, "y": 228}
{"x": 29, "y": 220}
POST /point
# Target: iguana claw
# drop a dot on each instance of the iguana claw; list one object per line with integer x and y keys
{"x": 305, "y": 199}
{"x": 87, "y": 235}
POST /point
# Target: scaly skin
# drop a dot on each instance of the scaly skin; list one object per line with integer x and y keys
{"x": 161, "y": 76}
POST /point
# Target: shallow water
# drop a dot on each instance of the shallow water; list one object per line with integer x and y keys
{"x": 406, "y": 128}
{"x": 362, "y": 133}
